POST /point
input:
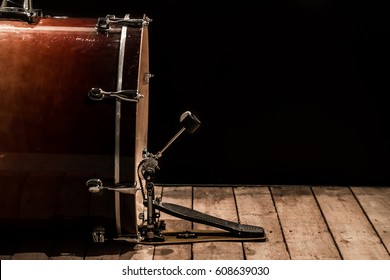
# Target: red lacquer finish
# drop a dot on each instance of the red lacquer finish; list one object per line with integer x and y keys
{"x": 46, "y": 71}
{"x": 49, "y": 127}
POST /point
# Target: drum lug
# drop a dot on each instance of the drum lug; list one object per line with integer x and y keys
{"x": 111, "y": 24}
{"x": 98, "y": 94}
{"x": 25, "y": 13}
{"x": 96, "y": 185}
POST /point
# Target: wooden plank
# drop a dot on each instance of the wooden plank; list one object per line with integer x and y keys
{"x": 256, "y": 207}
{"x": 376, "y": 204}
{"x": 305, "y": 231}
{"x": 131, "y": 251}
{"x": 219, "y": 202}
{"x": 353, "y": 233}
{"x": 182, "y": 196}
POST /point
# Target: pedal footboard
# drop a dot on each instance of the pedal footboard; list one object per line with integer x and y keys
{"x": 237, "y": 229}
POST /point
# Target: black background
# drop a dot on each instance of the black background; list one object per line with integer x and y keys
{"x": 288, "y": 92}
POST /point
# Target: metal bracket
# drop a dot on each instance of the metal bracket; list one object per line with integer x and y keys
{"x": 19, "y": 10}
{"x": 111, "y": 24}
{"x": 96, "y": 185}
{"x": 98, "y": 234}
{"x": 98, "y": 94}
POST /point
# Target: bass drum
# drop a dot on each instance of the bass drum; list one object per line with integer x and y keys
{"x": 55, "y": 135}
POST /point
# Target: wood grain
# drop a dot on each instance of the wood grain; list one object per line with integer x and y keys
{"x": 219, "y": 202}
{"x": 183, "y": 197}
{"x": 255, "y": 207}
{"x": 353, "y": 233}
{"x": 305, "y": 231}
{"x": 300, "y": 222}
{"x": 376, "y": 204}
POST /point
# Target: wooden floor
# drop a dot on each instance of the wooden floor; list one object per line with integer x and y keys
{"x": 301, "y": 223}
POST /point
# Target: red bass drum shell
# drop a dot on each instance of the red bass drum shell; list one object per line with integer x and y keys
{"x": 52, "y": 136}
